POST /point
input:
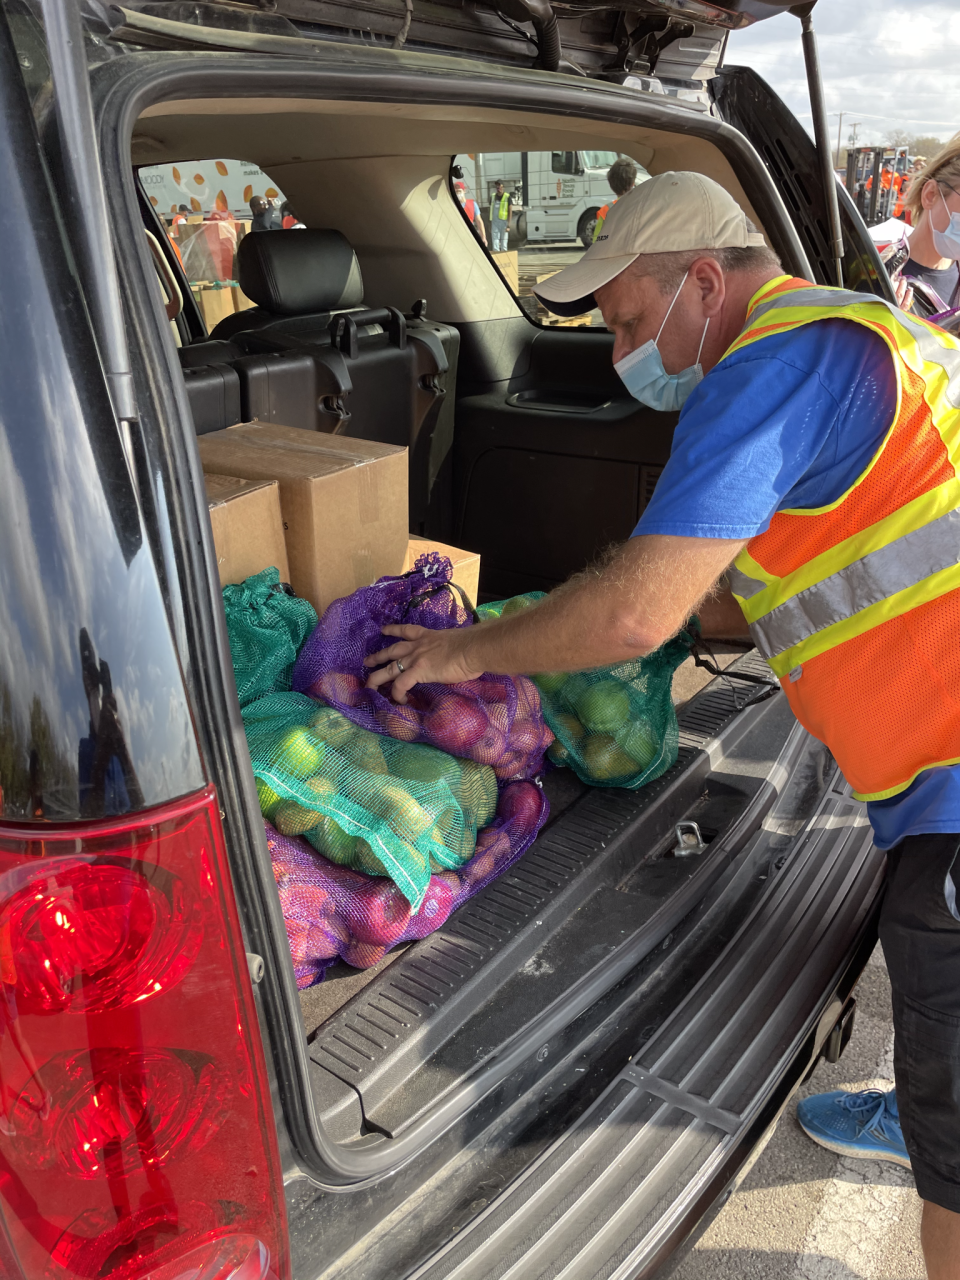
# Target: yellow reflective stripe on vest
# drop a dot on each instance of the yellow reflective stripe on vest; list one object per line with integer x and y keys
{"x": 919, "y": 555}
{"x": 912, "y": 515}
{"x": 902, "y": 786}
{"x": 865, "y": 620}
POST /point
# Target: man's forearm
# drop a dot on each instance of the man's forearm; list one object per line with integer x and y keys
{"x": 632, "y": 605}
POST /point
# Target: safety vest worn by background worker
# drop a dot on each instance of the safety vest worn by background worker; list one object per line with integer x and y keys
{"x": 503, "y": 213}
{"x": 856, "y": 605}
{"x": 601, "y": 218}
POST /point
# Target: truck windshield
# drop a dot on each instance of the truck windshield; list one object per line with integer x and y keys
{"x": 597, "y": 159}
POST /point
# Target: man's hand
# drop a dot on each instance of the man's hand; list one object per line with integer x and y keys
{"x": 904, "y": 291}
{"x": 424, "y": 657}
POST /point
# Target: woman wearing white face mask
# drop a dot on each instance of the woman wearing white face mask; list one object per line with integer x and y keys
{"x": 934, "y": 203}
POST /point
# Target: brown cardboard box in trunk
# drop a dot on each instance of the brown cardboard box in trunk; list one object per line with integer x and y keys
{"x": 344, "y": 501}
{"x": 247, "y": 527}
{"x": 466, "y": 564}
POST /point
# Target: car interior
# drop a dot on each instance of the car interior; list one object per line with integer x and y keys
{"x": 387, "y": 319}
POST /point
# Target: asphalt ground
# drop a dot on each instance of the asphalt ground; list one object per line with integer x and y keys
{"x": 803, "y": 1213}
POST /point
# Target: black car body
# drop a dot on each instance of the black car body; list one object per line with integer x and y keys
{"x": 567, "y": 1078}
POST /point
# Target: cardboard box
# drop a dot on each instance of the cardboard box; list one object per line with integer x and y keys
{"x": 215, "y": 305}
{"x": 344, "y": 502}
{"x": 240, "y": 300}
{"x": 509, "y": 265}
{"x": 466, "y": 564}
{"x": 247, "y": 527}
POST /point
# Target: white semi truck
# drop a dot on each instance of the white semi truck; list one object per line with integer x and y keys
{"x": 557, "y": 194}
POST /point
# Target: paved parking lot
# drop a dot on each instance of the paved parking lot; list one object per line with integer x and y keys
{"x": 805, "y": 1214}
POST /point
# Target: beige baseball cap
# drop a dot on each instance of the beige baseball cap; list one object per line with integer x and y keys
{"x": 670, "y": 213}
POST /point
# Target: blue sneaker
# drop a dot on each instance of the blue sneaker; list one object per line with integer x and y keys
{"x": 864, "y": 1125}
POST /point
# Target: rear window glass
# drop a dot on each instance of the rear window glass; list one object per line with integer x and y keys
{"x": 208, "y": 206}
{"x": 544, "y": 215}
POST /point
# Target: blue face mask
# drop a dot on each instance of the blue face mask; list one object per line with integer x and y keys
{"x": 947, "y": 242}
{"x": 644, "y": 376}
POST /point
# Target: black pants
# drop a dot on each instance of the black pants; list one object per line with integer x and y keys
{"x": 920, "y": 934}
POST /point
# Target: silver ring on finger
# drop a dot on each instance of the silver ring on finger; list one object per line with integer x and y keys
{"x": 399, "y": 665}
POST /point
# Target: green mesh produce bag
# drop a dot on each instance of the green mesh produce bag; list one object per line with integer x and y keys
{"x": 365, "y": 801}
{"x": 265, "y": 629}
{"x": 615, "y": 726}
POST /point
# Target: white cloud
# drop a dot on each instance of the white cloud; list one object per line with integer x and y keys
{"x": 888, "y": 64}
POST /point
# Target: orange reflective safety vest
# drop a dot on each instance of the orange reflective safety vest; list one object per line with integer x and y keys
{"x": 856, "y": 605}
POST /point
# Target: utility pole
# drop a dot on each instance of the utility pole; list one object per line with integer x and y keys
{"x": 853, "y": 133}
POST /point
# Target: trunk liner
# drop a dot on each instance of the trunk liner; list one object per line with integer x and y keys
{"x": 450, "y": 1002}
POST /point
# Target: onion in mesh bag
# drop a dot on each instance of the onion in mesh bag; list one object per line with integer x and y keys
{"x": 494, "y": 720}
{"x": 335, "y": 912}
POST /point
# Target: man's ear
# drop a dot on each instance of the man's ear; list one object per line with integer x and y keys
{"x": 708, "y": 276}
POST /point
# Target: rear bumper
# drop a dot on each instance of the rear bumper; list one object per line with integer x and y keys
{"x": 622, "y": 1188}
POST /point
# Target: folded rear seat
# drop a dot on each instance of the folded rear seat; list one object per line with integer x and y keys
{"x": 213, "y": 384}
{"x": 314, "y": 356}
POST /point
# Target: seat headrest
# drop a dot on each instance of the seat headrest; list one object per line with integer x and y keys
{"x": 299, "y": 272}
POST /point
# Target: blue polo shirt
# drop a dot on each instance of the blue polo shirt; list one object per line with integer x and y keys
{"x": 792, "y": 421}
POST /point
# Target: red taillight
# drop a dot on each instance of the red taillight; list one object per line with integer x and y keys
{"x": 136, "y": 1138}
{"x": 95, "y": 934}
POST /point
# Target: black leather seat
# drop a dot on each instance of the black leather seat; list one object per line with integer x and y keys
{"x": 300, "y": 274}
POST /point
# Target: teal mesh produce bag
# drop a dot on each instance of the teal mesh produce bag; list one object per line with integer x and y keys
{"x": 365, "y": 801}
{"x": 615, "y": 726}
{"x": 265, "y": 628}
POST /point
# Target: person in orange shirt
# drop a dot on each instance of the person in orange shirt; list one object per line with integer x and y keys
{"x": 471, "y": 210}
{"x": 622, "y": 176}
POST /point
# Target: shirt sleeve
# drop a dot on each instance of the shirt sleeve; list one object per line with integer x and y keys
{"x": 757, "y": 425}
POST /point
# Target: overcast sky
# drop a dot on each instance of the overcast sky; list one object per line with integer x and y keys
{"x": 889, "y": 63}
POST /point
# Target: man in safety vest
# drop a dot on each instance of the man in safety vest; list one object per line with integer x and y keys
{"x": 622, "y": 176}
{"x": 814, "y": 476}
{"x": 500, "y": 217}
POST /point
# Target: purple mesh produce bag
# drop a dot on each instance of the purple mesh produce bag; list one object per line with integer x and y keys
{"x": 495, "y": 720}
{"x": 332, "y": 912}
